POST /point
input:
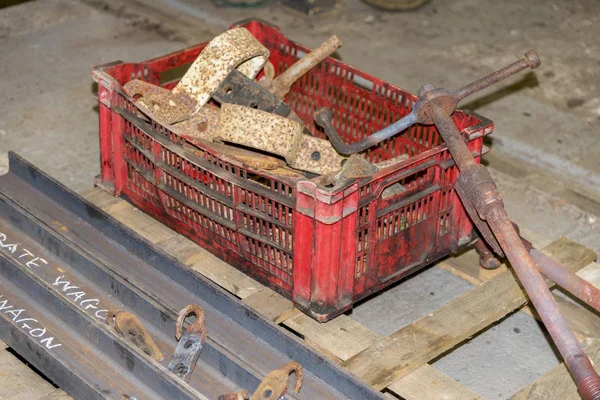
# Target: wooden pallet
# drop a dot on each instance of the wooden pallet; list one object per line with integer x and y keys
{"x": 396, "y": 364}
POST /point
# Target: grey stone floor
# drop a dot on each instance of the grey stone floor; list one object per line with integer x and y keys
{"x": 48, "y": 115}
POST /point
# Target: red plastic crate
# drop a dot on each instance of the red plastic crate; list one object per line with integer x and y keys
{"x": 323, "y": 247}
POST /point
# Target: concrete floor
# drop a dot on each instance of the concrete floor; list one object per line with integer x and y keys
{"x": 548, "y": 118}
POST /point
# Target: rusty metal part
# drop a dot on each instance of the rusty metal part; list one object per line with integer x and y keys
{"x": 278, "y": 135}
{"x": 276, "y": 383}
{"x": 233, "y": 49}
{"x": 274, "y": 386}
{"x": 246, "y": 157}
{"x": 200, "y": 125}
{"x": 392, "y": 161}
{"x": 487, "y": 259}
{"x": 239, "y": 89}
{"x": 482, "y": 200}
{"x": 137, "y": 88}
{"x": 191, "y": 342}
{"x": 281, "y": 85}
{"x": 566, "y": 279}
{"x": 132, "y": 330}
{"x": 355, "y": 167}
{"x": 556, "y": 272}
{"x": 430, "y": 98}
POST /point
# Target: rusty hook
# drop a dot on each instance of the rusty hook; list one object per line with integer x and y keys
{"x": 191, "y": 342}
{"x": 196, "y": 327}
{"x": 132, "y": 330}
{"x": 275, "y": 383}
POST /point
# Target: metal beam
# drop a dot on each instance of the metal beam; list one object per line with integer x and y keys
{"x": 64, "y": 261}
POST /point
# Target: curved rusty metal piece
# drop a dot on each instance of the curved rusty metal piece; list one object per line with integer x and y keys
{"x": 137, "y": 88}
{"x": 430, "y": 98}
{"x": 275, "y": 383}
{"x": 197, "y": 327}
{"x": 233, "y": 49}
{"x": 132, "y": 330}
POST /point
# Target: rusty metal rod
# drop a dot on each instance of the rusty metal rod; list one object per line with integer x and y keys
{"x": 584, "y": 374}
{"x": 566, "y": 279}
{"x": 489, "y": 206}
{"x": 446, "y": 98}
{"x": 280, "y": 86}
{"x": 531, "y": 60}
{"x": 552, "y": 269}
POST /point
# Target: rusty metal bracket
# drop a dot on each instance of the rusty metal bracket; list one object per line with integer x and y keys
{"x": 274, "y": 386}
{"x": 443, "y": 100}
{"x": 239, "y": 89}
{"x": 191, "y": 342}
{"x": 233, "y": 49}
{"x": 278, "y": 135}
{"x": 132, "y": 330}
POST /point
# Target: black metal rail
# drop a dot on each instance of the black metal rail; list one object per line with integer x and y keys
{"x": 64, "y": 262}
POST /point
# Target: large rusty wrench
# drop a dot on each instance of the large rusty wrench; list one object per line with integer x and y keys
{"x": 478, "y": 192}
{"x": 429, "y": 98}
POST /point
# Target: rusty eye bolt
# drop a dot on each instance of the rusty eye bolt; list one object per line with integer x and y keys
{"x": 482, "y": 200}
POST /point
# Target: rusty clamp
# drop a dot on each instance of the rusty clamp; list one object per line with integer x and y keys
{"x": 278, "y": 135}
{"x": 233, "y": 49}
{"x": 191, "y": 342}
{"x": 132, "y": 330}
{"x": 274, "y": 385}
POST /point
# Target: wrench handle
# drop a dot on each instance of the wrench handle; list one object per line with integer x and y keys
{"x": 531, "y": 60}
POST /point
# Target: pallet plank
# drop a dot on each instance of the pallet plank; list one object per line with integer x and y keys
{"x": 427, "y": 383}
{"x": 226, "y": 276}
{"x": 182, "y": 249}
{"x": 18, "y": 381}
{"x": 105, "y": 201}
{"x": 404, "y": 351}
{"x": 342, "y": 336}
{"x": 271, "y": 304}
